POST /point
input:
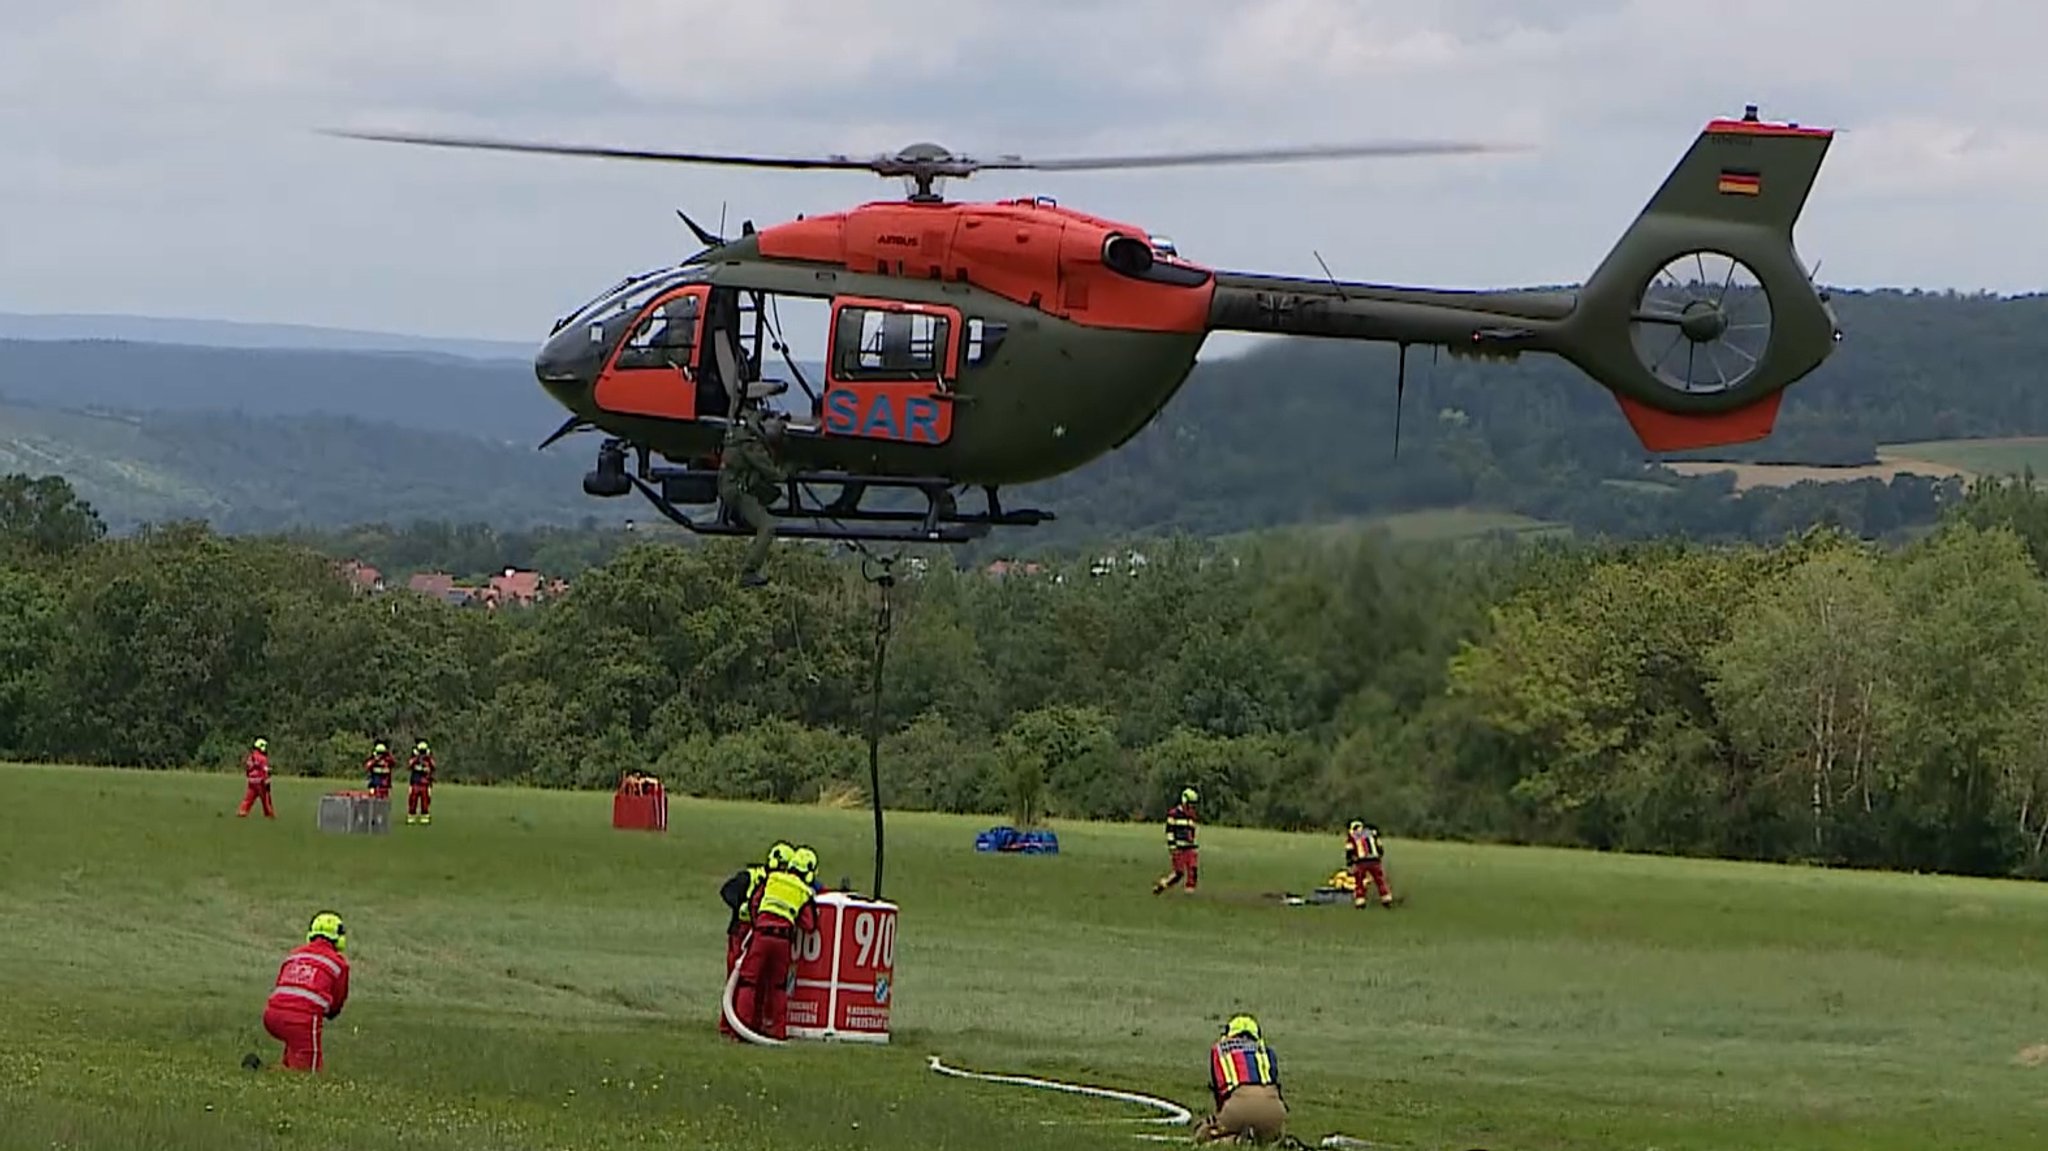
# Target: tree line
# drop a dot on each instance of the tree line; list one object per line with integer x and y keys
{"x": 1823, "y": 698}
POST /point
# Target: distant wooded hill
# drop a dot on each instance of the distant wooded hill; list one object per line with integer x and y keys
{"x": 1296, "y": 431}
{"x": 239, "y": 334}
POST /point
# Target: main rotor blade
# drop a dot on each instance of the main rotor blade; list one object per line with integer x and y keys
{"x": 497, "y": 145}
{"x": 913, "y": 161}
{"x": 1250, "y": 156}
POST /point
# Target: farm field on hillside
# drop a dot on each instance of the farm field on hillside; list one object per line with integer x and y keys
{"x": 1460, "y": 523}
{"x": 1937, "y": 458}
{"x": 1980, "y": 457}
{"x": 1435, "y": 525}
{"x": 527, "y": 977}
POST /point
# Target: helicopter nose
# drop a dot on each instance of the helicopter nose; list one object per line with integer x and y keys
{"x": 567, "y": 366}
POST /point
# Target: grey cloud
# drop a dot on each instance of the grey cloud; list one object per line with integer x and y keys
{"x": 172, "y": 138}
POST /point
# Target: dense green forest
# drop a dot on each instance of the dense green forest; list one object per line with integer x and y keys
{"x": 1825, "y": 698}
{"x": 261, "y": 440}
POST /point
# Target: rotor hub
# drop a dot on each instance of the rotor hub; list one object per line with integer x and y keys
{"x": 1702, "y": 321}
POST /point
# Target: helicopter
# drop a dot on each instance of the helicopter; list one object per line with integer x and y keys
{"x": 986, "y": 344}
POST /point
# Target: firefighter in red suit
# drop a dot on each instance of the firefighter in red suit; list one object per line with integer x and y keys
{"x": 379, "y": 768}
{"x": 1180, "y": 842}
{"x": 782, "y": 908}
{"x": 741, "y": 889}
{"x": 1365, "y": 857}
{"x": 1244, "y": 1078}
{"x": 312, "y": 986}
{"x": 419, "y": 791}
{"x": 256, "y": 767}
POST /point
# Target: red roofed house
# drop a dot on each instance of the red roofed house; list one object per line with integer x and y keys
{"x": 362, "y": 577}
{"x": 441, "y": 586}
{"x": 515, "y": 588}
{"x": 510, "y": 588}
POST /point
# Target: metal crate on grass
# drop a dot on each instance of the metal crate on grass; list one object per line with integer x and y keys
{"x": 355, "y": 813}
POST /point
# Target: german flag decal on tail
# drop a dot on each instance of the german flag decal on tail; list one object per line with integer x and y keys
{"x": 1738, "y": 182}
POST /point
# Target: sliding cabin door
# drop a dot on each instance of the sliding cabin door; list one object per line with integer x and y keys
{"x": 889, "y": 375}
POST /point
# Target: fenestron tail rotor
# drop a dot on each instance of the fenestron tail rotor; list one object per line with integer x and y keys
{"x": 923, "y": 165}
{"x": 1703, "y": 323}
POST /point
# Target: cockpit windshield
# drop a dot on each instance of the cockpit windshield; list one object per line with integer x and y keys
{"x": 631, "y": 294}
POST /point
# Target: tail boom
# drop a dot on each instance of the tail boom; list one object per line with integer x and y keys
{"x": 1697, "y": 320}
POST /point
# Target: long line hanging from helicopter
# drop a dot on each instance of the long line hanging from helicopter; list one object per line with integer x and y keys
{"x": 996, "y": 343}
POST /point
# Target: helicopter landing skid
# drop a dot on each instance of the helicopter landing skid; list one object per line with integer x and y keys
{"x": 941, "y": 522}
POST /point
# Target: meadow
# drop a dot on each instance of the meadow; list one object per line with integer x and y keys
{"x": 1967, "y": 458}
{"x": 1429, "y": 525}
{"x": 526, "y": 977}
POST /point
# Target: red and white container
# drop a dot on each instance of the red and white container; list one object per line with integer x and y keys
{"x": 844, "y": 974}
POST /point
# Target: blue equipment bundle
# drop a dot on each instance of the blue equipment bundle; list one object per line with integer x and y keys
{"x": 1036, "y": 842}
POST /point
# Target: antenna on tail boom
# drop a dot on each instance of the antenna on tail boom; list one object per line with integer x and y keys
{"x": 1400, "y": 388}
{"x": 1400, "y": 363}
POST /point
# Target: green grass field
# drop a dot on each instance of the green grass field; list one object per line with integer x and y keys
{"x": 528, "y": 978}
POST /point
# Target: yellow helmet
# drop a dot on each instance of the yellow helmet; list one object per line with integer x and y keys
{"x": 805, "y": 863}
{"x": 420, "y": 746}
{"x": 262, "y": 745}
{"x": 327, "y": 925}
{"x": 780, "y": 856}
{"x": 1188, "y": 795}
{"x": 1243, "y": 1025}
{"x": 381, "y": 749}
{"x": 1358, "y": 825}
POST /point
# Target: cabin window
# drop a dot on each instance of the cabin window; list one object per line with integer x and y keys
{"x": 876, "y": 344}
{"x": 982, "y": 340}
{"x": 665, "y": 338}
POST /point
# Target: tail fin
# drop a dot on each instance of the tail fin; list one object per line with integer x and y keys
{"x": 1703, "y": 314}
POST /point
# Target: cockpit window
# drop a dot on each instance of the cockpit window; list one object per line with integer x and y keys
{"x": 630, "y": 294}
{"x": 665, "y": 338}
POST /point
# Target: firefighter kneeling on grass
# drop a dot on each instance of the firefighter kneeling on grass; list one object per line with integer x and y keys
{"x": 1245, "y": 1078}
{"x": 311, "y": 988}
{"x": 782, "y": 908}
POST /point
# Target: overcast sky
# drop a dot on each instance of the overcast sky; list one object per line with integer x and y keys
{"x": 158, "y": 156}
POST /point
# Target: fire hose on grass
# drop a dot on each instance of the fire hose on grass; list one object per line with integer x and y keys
{"x": 1176, "y": 1115}
{"x": 732, "y": 1017}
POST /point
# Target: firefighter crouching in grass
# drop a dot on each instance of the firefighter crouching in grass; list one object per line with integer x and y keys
{"x": 1245, "y": 1079}
{"x": 782, "y": 908}
{"x": 311, "y": 988}
{"x": 741, "y": 889}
